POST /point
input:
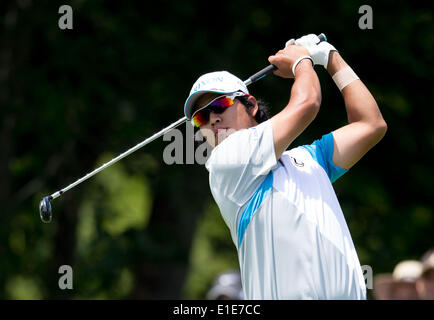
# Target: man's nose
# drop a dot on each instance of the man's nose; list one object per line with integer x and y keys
{"x": 214, "y": 118}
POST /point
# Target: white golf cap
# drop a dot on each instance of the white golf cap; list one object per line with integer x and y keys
{"x": 216, "y": 82}
{"x": 407, "y": 270}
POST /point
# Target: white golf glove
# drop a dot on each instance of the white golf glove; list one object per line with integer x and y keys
{"x": 319, "y": 51}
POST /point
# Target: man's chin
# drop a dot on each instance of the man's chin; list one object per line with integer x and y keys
{"x": 223, "y": 134}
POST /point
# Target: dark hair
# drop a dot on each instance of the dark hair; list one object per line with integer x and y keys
{"x": 262, "y": 114}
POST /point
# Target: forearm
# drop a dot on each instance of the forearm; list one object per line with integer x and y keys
{"x": 302, "y": 108}
{"x": 306, "y": 89}
{"x": 366, "y": 124}
{"x": 359, "y": 102}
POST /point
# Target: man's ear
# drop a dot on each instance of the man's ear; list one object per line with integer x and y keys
{"x": 254, "y": 110}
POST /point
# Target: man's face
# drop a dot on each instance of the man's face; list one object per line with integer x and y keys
{"x": 234, "y": 118}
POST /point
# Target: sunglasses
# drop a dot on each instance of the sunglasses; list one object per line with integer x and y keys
{"x": 218, "y": 106}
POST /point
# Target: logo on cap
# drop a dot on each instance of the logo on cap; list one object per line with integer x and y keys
{"x": 205, "y": 82}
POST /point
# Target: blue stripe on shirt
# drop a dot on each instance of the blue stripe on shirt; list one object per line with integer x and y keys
{"x": 253, "y": 204}
{"x": 322, "y": 152}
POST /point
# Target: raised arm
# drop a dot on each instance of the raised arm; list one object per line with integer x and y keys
{"x": 305, "y": 99}
{"x": 366, "y": 126}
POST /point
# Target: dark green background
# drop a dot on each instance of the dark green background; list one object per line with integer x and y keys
{"x": 73, "y": 99}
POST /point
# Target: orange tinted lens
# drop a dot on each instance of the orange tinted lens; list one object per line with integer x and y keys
{"x": 201, "y": 118}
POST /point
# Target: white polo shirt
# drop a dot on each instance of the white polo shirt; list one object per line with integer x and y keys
{"x": 284, "y": 217}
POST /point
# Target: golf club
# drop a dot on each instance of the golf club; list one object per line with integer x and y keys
{"x": 45, "y": 210}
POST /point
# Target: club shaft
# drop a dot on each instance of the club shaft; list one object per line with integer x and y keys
{"x": 119, "y": 157}
{"x": 253, "y": 78}
{"x": 123, "y": 155}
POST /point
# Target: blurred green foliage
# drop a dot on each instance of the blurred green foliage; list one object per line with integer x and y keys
{"x": 212, "y": 252}
{"x": 72, "y": 99}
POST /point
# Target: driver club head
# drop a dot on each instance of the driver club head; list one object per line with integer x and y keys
{"x": 45, "y": 209}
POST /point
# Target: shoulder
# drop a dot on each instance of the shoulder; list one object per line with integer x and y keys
{"x": 240, "y": 146}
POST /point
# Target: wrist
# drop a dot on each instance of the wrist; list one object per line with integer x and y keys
{"x": 344, "y": 77}
{"x": 335, "y": 63}
{"x": 302, "y": 63}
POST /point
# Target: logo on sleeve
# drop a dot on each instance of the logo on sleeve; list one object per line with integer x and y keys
{"x": 296, "y": 162}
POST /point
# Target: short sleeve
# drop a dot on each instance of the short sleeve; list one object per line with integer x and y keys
{"x": 322, "y": 152}
{"x": 239, "y": 164}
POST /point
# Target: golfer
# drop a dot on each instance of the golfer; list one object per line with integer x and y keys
{"x": 284, "y": 217}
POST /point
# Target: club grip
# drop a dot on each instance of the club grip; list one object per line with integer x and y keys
{"x": 259, "y": 75}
